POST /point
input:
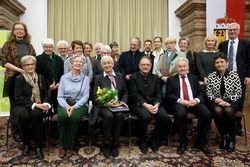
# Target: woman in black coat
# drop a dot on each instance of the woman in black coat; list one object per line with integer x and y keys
{"x": 32, "y": 101}
{"x": 112, "y": 121}
{"x": 51, "y": 66}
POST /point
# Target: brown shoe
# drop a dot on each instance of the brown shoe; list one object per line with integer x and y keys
{"x": 69, "y": 152}
{"x": 62, "y": 152}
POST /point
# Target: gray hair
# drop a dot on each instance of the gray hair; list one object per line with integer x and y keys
{"x": 105, "y": 47}
{"x": 72, "y": 58}
{"x": 98, "y": 44}
{"x": 107, "y": 57}
{"x": 48, "y": 41}
{"x": 62, "y": 42}
{"x": 184, "y": 38}
{"x": 181, "y": 59}
{"x": 232, "y": 24}
{"x": 138, "y": 39}
{"x": 113, "y": 44}
{"x": 26, "y": 58}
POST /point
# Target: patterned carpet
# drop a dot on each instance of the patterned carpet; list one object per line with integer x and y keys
{"x": 128, "y": 156}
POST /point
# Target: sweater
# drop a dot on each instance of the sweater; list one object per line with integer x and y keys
{"x": 70, "y": 86}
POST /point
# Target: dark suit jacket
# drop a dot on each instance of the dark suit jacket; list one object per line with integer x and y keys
{"x": 97, "y": 68}
{"x": 242, "y": 57}
{"x": 129, "y": 64}
{"x": 104, "y": 82}
{"x": 23, "y": 92}
{"x": 143, "y": 54}
{"x": 173, "y": 88}
{"x": 43, "y": 68}
{"x": 192, "y": 63}
{"x": 144, "y": 91}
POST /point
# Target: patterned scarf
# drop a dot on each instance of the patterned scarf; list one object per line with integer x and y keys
{"x": 35, "y": 90}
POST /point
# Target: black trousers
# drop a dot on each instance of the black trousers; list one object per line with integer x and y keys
{"x": 28, "y": 117}
{"x": 54, "y": 102}
{"x": 144, "y": 119}
{"x": 180, "y": 117}
{"x": 112, "y": 123}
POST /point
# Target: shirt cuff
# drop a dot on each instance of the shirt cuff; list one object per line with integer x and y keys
{"x": 33, "y": 106}
{"x": 49, "y": 106}
{"x": 178, "y": 101}
{"x": 198, "y": 100}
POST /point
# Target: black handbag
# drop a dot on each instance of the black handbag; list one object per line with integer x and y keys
{"x": 72, "y": 101}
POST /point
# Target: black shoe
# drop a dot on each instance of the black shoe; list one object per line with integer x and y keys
{"x": 239, "y": 133}
{"x": 39, "y": 153}
{"x": 106, "y": 151}
{"x": 115, "y": 151}
{"x": 231, "y": 144}
{"x": 181, "y": 149}
{"x": 17, "y": 137}
{"x": 143, "y": 147}
{"x": 223, "y": 144}
{"x": 154, "y": 146}
{"x": 203, "y": 148}
{"x": 26, "y": 150}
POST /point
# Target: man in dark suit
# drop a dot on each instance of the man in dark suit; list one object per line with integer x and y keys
{"x": 145, "y": 89}
{"x": 238, "y": 51}
{"x": 184, "y": 94}
{"x": 147, "y": 48}
{"x": 129, "y": 60}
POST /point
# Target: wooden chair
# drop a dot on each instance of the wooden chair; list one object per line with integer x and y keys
{"x": 240, "y": 114}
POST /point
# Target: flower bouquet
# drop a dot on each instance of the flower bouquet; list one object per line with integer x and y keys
{"x": 105, "y": 95}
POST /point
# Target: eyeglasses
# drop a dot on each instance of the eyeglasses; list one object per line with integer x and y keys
{"x": 19, "y": 29}
{"x": 29, "y": 65}
{"x": 62, "y": 48}
{"x": 106, "y": 53}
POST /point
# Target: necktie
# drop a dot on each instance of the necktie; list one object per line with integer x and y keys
{"x": 231, "y": 56}
{"x": 112, "y": 79}
{"x": 184, "y": 89}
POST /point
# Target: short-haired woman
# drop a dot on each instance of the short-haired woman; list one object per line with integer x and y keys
{"x": 75, "y": 85}
{"x": 224, "y": 92}
{"x": 32, "y": 101}
{"x": 112, "y": 121}
{"x": 50, "y": 66}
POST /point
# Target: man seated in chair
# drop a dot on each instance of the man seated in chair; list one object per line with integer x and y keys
{"x": 145, "y": 92}
{"x": 184, "y": 95}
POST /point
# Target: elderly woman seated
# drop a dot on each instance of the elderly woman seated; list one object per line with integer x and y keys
{"x": 224, "y": 92}
{"x": 112, "y": 121}
{"x": 32, "y": 101}
{"x": 73, "y": 94}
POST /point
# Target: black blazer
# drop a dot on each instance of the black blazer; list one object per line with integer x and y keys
{"x": 173, "y": 88}
{"x": 192, "y": 63}
{"x": 23, "y": 92}
{"x": 141, "y": 90}
{"x": 97, "y": 68}
{"x": 104, "y": 82}
{"x": 242, "y": 57}
{"x": 43, "y": 68}
{"x": 129, "y": 64}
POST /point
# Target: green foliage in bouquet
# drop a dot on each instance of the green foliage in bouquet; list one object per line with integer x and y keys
{"x": 105, "y": 95}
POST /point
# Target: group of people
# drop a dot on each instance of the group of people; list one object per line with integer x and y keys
{"x": 151, "y": 84}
